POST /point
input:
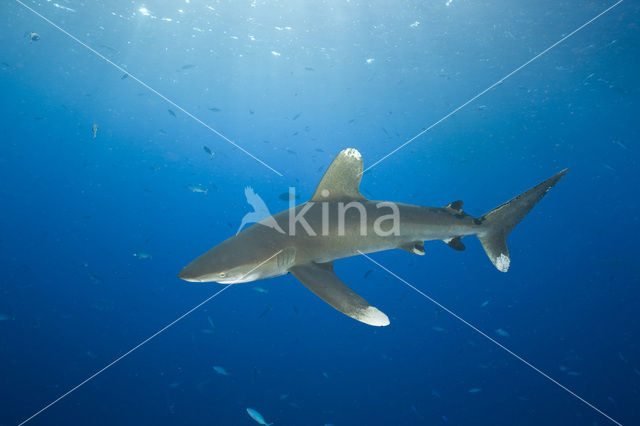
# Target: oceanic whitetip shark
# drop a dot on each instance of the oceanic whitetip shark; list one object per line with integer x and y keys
{"x": 339, "y": 222}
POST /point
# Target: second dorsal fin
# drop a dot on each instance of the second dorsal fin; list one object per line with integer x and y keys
{"x": 456, "y": 205}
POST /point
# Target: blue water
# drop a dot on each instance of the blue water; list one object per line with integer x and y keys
{"x": 294, "y": 83}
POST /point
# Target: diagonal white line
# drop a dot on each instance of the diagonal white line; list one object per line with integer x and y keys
{"x": 493, "y": 85}
{"x": 151, "y": 88}
{"x": 141, "y": 343}
{"x": 501, "y": 346}
{"x": 123, "y": 355}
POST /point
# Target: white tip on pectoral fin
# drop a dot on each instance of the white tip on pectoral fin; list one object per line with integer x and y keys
{"x": 502, "y": 262}
{"x": 372, "y": 316}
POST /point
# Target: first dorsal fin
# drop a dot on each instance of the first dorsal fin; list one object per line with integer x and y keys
{"x": 456, "y": 205}
{"x": 342, "y": 178}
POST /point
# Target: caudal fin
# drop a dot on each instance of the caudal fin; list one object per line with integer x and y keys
{"x": 501, "y": 220}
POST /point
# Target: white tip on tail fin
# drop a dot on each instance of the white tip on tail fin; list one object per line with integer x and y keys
{"x": 501, "y": 220}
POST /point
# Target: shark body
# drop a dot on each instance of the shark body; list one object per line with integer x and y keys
{"x": 338, "y": 222}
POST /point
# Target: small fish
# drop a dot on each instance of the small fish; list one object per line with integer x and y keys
{"x": 438, "y": 329}
{"x": 171, "y": 113}
{"x": 474, "y": 390}
{"x": 208, "y": 151}
{"x": 210, "y": 322}
{"x": 366, "y": 274}
{"x": 309, "y": 69}
{"x": 608, "y": 167}
{"x": 251, "y": 112}
{"x": 484, "y": 304}
{"x": 125, "y": 75}
{"x": 187, "y": 67}
{"x": 326, "y": 376}
{"x": 290, "y": 151}
{"x": 501, "y": 332}
{"x": 142, "y": 255}
{"x": 295, "y": 117}
{"x": 94, "y": 129}
{"x": 112, "y": 49}
{"x": 319, "y": 150}
{"x": 220, "y": 370}
{"x": 214, "y": 109}
{"x": 620, "y": 144}
{"x": 4, "y": 317}
{"x": 266, "y": 311}
{"x": 284, "y": 396}
{"x": 174, "y": 384}
{"x": 286, "y": 196}
{"x": 622, "y": 357}
{"x": 198, "y": 189}
{"x": 415, "y": 410}
{"x": 257, "y": 417}
{"x": 573, "y": 373}
{"x": 635, "y": 370}
{"x": 171, "y": 406}
{"x": 34, "y": 36}
{"x": 260, "y": 290}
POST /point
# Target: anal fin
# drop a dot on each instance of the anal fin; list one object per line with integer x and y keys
{"x": 320, "y": 279}
{"x": 456, "y": 243}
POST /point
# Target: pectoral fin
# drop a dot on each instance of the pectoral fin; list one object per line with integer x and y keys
{"x": 320, "y": 279}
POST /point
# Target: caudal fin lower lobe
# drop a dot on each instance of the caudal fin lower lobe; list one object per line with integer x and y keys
{"x": 501, "y": 220}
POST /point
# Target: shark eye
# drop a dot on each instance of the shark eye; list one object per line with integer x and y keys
{"x": 222, "y": 274}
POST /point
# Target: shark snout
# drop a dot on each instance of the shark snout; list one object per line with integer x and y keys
{"x": 188, "y": 273}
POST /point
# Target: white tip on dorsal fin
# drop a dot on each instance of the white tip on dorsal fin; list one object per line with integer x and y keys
{"x": 342, "y": 178}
